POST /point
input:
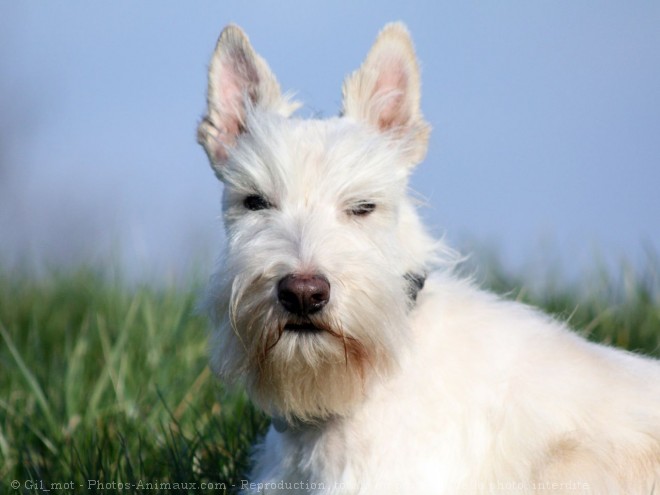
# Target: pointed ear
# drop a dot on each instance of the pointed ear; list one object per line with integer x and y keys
{"x": 239, "y": 79}
{"x": 385, "y": 91}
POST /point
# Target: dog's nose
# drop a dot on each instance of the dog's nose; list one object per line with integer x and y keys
{"x": 303, "y": 295}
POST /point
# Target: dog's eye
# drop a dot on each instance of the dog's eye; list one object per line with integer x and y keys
{"x": 255, "y": 202}
{"x": 362, "y": 209}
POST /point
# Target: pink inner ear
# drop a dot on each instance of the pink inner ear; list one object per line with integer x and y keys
{"x": 225, "y": 122}
{"x": 230, "y": 106}
{"x": 389, "y": 97}
{"x": 239, "y": 80}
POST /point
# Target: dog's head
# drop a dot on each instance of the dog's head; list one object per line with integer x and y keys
{"x": 325, "y": 252}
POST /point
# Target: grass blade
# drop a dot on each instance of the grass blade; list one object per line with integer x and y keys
{"x": 31, "y": 380}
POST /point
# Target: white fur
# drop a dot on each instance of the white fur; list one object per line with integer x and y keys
{"x": 458, "y": 392}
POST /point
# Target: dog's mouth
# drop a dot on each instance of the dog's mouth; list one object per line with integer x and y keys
{"x": 304, "y": 326}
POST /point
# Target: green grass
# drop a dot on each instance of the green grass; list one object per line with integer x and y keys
{"x": 109, "y": 384}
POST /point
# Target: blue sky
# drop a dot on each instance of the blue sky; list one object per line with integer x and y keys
{"x": 546, "y": 118}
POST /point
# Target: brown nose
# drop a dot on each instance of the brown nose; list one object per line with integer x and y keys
{"x": 303, "y": 295}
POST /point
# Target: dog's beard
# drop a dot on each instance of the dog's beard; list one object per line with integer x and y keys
{"x": 306, "y": 368}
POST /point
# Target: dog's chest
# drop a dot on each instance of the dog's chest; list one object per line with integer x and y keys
{"x": 387, "y": 448}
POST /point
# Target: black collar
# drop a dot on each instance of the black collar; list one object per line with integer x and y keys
{"x": 415, "y": 284}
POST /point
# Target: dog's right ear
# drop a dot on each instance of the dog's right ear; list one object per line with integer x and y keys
{"x": 239, "y": 79}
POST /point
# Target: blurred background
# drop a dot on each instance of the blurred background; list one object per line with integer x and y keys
{"x": 546, "y": 118}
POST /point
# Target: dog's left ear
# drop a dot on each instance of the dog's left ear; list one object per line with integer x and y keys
{"x": 385, "y": 91}
{"x": 239, "y": 79}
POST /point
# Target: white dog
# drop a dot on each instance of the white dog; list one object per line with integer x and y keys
{"x": 382, "y": 377}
